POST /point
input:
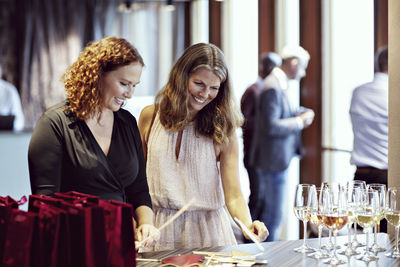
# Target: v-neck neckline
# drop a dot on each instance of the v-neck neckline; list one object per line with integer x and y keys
{"x": 107, "y": 156}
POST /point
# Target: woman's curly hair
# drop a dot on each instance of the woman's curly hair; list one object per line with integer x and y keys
{"x": 220, "y": 117}
{"x": 82, "y": 78}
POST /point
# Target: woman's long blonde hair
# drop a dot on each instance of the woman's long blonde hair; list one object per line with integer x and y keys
{"x": 216, "y": 120}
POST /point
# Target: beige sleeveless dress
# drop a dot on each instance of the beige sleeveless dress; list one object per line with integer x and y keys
{"x": 174, "y": 182}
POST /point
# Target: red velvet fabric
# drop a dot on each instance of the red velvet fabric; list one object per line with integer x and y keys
{"x": 89, "y": 221}
{"x": 6, "y": 205}
{"x": 119, "y": 233}
{"x": 51, "y": 241}
{"x": 68, "y": 230}
{"x": 18, "y": 239}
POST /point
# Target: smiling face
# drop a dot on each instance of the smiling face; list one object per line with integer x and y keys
{"x": 118, "y": 85}
{"x": 203, "y": 87}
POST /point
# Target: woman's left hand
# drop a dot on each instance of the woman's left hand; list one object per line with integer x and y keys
{"x": 259, "y": 230}
{"x": 147, "y": 236}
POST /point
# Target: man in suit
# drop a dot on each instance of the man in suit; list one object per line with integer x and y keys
{"x": 277, "y": 135}
{"x": 248, "y": 105}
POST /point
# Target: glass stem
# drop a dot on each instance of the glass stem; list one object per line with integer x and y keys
{"x": 304, "y": 233}
{"x": 334, "y": 244}
{"x": 319, "y": 235}
{"x": 355, "y": 232}
{"x": 375, "y": 230}
{"x": 397, "y": 239}
{"x": 348, "y": 235}
{"x": 366, "y": 245}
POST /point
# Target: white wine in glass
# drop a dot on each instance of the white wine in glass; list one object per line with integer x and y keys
{"x": 392, "y": 215}
{"x": 301, "y": 208}
{"x": 367, "y": 217}
{"x": 334, "y": 215}
{"x": 381, "y": 188}
{"x": 362, "y": 185}
{"x": 316, "y": 218}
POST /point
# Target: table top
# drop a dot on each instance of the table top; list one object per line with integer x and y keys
{"x": 280, "y": 253}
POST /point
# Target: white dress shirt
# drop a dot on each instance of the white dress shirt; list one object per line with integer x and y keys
{"x": 10, "y": 104}
{"x": 369, "y": 117}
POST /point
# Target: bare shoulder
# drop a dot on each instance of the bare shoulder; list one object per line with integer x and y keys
{"x": 145, "y": 118}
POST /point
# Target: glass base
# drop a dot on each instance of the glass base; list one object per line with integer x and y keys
{"x": 355, "y": 244}
{"x": 376, "y": 248}
{"x": 367, "y": 257}
{"x": 335, "y": 261}
{"x": 393, "y": 254}
{"x": 304, "y": 249}
{"x": 329, "y": 246}
{"x": 319, "y": 254}
{"x": 349, "y": 251}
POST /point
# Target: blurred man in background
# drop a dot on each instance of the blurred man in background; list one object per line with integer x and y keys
{"x": 369, "y": 117}
{"x": 277, "y": 136}
{"x": 248, "y": 104}
{"x": 11, "y": 115}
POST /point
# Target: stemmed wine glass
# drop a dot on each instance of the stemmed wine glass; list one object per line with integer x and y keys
{"x": 353, "y": 201}
{"x": 329, "y": 245}
{"x": 366, "y": 218}
{"x": 302, "y": 202}
{"x": 381, "y": 188}
{"x": 392, "y": 215}
{"x": 334, "y": 214}
{"x": 362, "y": 185}
{"x": 316, "y": 210}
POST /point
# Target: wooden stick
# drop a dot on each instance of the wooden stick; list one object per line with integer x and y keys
{"x": 176, "y": 215}
{"x": 148, "y": 260}
{"x": 170, "y": 220}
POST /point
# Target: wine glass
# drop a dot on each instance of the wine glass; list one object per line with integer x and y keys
{"x": 362, "y": 185}
{"x": 334, "y": 215}
{"x": 353, "y": 202}
{"x": 315, "y": 217}
{"x": 392, "y": 215}
{"x": 381, "y": 188}
{"x": 329, "y": 245}
{"x": 302, "y": 202}
{"x": 366, "y": 218}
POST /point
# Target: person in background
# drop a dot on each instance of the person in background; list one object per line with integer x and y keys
{"x": 10, "y": 104}
{"x": 87, "y": 143}
{"x": 192, "y": 153}
{"x": 277, "y": 135}
{"x": 248, "y": 104}
{"x": 369, "y": 118}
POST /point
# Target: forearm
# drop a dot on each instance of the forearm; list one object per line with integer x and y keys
{"x": 144, "y": 215}
{"x": 237, "y": 207}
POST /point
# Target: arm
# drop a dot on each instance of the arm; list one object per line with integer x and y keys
{"x": 138, "y": 195}
{"x": 144, "y": 125}
{"x": 145, "y": 230}
{"x": 45, "y": 157}
{"x": 233, "y": 195}
{"x": 271, "y": 110}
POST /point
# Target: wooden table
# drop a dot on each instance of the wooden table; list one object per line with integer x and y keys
{"x": 280, "y": 253}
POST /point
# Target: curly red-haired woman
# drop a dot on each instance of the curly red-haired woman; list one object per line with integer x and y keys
{"x": 87, "y": 143}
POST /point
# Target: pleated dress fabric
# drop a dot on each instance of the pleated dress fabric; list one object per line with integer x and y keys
{"x": 173, "y": 182}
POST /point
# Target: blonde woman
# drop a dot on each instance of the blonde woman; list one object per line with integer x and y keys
{"x": 192, "y": 153}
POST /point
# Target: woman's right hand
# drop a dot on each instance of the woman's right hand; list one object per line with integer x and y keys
{"x": 147, "y": 236}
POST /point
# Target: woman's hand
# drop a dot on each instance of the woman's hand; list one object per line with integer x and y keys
{"x": 147, "y": 236}
{"x": 259, "y": 230}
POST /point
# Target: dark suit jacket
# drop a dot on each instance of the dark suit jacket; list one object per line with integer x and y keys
{"x": 248, "y": 105}
{"x": 277, "y": 131}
